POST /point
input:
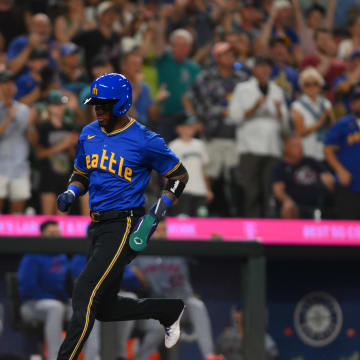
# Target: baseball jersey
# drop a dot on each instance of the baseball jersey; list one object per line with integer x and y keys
{"x": 118, "y": 164}
{"x": 168, "y": 276}
{"x": 345, "y": 134}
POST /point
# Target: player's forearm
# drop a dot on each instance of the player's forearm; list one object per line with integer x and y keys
{"x": 182, "y": 178}
{"x": 80, "y": 186}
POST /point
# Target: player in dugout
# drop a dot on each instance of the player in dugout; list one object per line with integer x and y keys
{"x": 114, "y": 159}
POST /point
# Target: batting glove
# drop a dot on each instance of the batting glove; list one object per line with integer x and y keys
{"x": 142, "y": 232}
{"x": 65, "y": 200}
{"x": 147, "y": 224}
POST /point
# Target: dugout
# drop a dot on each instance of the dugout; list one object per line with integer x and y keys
{"x": 249, "y": 257}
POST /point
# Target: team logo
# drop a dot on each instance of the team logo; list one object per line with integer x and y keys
{"x": 318, "y": 319}
{"x": 95, "y": 90}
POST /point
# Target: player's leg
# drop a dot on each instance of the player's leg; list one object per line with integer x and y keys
{"x": 92, "y": 346}
{"x": 200, "y": 320}
{"x": 101, "y": 270}
{"x": 52, "y": 313}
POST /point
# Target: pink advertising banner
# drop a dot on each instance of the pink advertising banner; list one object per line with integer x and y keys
{"x": 267, "y": 231}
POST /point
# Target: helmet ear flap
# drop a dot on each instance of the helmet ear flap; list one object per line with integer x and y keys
{"x": 122, "y": 107}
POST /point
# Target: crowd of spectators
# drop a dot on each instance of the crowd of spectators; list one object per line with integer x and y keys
{"x": 234, "y": 80}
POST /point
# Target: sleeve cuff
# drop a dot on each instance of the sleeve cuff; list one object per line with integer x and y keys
{"x": 173, "y": 169}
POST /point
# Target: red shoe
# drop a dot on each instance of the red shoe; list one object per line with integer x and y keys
{"x": 215, "y": 357}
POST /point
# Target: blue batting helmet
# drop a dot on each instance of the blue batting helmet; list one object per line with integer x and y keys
{"x": 112, "y": 87}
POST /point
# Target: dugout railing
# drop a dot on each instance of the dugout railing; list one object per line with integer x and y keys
{"x": 251, "y": 257}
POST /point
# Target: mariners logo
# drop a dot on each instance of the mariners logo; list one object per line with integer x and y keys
{"x": 318, "y": 319}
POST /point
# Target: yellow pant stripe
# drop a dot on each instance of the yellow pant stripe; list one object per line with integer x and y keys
{"x": 118, "y": 252}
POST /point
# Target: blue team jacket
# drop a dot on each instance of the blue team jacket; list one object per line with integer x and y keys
{"x": 43, "y": 277}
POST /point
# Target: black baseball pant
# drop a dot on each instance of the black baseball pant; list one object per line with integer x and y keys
{"x": 95, "y": 293}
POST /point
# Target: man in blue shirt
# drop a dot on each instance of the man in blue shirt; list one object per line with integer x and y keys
{"x": 114, "y": 160}
{"x": 342, "y": 152}
{"x": 20, "y": 48}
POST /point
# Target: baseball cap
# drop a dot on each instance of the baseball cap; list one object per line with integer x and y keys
{"x": 56, "y": 97}
{"x": 103, "y": 7}
{"x": 220, "y": 48}
{"x": 6, "y": 75}
{"x": 68, "y": 49}
{"x": 38, "y": 53}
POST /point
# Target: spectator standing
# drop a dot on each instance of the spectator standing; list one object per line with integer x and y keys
{"x": 175, "y": 70}
{"x": 244, "y": 18}
{"x": 342, "y": 152}
{"x": 324, "y": 58}
{"x": 103, "y": 39}
{"x": 347, "y": 46}
{"x": 278, "y": 25}
{"x": 316, "y": 17}
{"x": 300, "y": 184}
{"x": 283, "y": 74}
{"x": 312, "y": 114}
{"x": 73, "y": 21}
{"x": 32, "y": 84}
{"x": 43, "y": 289}
{"x": 144, "y": 108}
{"x": 193, "y": 155}
{"x": 55, "y": 148}
{"x": 21, "y": 47}
{"x": 344, "y": 83}
{"x": 259, "y": 110}
{"x": 230, "y": 341}
{"x": 241, "y": 46}
{"x": 14, "y": 146}
{"x": 208, "y": 100}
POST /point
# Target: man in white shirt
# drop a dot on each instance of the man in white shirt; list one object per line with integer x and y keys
{"x": 258, "y": 108}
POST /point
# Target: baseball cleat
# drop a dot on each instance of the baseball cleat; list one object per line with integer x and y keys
{"x": 172, "y": 333}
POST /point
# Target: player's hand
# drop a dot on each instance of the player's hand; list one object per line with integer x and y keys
{"x": 142, "y": 232}
{"x": 65, "y": 200}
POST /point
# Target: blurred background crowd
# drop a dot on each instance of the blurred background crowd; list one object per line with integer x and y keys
{"x": 259, "y": 98}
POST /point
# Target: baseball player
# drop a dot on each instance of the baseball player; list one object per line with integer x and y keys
{"x": 114, "y": 159}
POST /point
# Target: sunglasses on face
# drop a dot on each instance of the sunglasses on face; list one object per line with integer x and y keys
{"x": 311, "y": 84}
